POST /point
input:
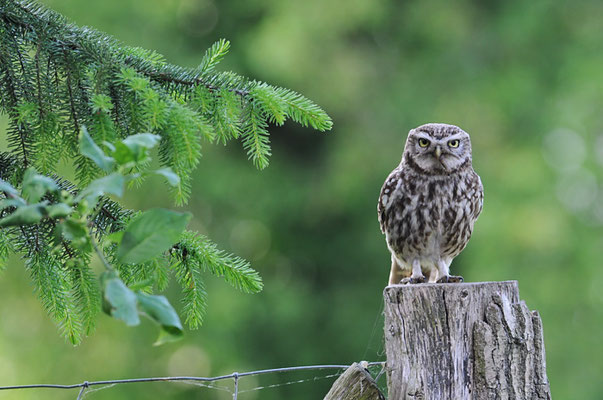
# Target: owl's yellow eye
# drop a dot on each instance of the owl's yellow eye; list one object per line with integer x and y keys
{"x": 453, "y": 143}
{"x": 423, "y": 142}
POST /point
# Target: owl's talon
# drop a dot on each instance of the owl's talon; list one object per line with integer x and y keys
{"x": 412, "y": 280}
{"x": 450, "y": 279}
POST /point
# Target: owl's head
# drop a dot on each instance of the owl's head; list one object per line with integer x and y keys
{"x": 438, "y": 149}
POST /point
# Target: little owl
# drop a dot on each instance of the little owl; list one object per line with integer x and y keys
{"x": 429, "y": 203}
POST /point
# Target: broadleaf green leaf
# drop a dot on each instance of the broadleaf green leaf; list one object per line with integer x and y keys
{"x": 110, "y": 184}
{"x": 161, "y": 311}
{"x": 8, "y": 188}
{"x": 109, "y": 145}
{"x": 119, "y": 301}
{"x": 135, "y": 148}
{"x": 114, "y": 237}
{"x": 122, "y": 154}
{"x": 6, "y": 203}
{"x": 171, "y": 177}
{"x": 35, "y": 185}
{"x": 166, "y": 337}
{"x": 146, "y": 140}
{"x": 24, "y": 215}
{"x": 91, "y": 150}
{"x": 59, "y": 210}
{"x": 76, "y": 233}
{"x": 150, "y": 234}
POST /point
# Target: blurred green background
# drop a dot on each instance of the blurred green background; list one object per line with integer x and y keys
{"x": 524, "y": 78}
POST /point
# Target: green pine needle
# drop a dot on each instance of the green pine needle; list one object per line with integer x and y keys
{"x": 214, "y": 55}
{"x": 57, "y": 78}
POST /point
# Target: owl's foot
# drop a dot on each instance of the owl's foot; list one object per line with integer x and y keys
{"x": 412, "y": 281}
{"x": 450, "y": 279}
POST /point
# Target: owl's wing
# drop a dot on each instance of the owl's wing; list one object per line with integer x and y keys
{"x": 385, "y": 197}
{"x": 476, "y": 193}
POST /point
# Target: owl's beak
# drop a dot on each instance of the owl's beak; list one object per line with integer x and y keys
{"x": 438, "y": 152}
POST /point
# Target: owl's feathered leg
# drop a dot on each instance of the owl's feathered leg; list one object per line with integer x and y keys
{"x": 443, "y": 273}
{"x": 433, "y": 275}
{"x": 417, "y": 274}
{"x": 396, "y": 274}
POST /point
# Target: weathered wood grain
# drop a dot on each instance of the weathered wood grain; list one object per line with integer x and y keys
{"x": 355, "y": 384}
{"x": 463, "y": 341}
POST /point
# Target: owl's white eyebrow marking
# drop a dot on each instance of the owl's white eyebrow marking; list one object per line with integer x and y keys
{"x": 420, "y": 133}
{"x": 423, "y": 135}
{"x": 458, "y": 136}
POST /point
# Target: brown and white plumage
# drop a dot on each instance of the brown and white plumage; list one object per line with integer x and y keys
{"x": 429, "y": 204}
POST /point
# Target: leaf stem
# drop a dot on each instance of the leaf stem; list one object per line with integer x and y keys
{"x": 100, "y": 254}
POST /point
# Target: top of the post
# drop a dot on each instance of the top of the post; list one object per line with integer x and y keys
{"x": 461, "y": 289}
{"x": 465, "y": 285}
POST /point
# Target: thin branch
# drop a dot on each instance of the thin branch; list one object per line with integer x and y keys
{"x": 9, "y": 79}
{"x": 164, "y": 77}
{"x": 19, "y": 55}
{"x": 107, "y": 213}
{"x": 67, "y": 249}
{"x": 72, "y": 106}
{"x": 100, "y": 253}
{"x": 38, "y": 82}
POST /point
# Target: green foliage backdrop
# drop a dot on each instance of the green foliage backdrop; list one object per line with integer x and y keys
{"x": 523, "y": 78}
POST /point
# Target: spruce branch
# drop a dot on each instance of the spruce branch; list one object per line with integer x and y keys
{"x": 204, "y": 254}
{"x": 75, "y": 95}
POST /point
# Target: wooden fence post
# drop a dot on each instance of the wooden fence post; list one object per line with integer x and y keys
{"x": 355, "y": 384}
{"x": 463, "y": 341}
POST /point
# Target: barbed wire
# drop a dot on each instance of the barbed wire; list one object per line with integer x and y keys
{"x": 198, "y": 380}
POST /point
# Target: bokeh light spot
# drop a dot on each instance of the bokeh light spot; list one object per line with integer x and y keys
{"x": 250, "y": 239}
{"x": 564, "y": 150}
{"x": 578, "y": 190}
{"x": 189, "y": 360}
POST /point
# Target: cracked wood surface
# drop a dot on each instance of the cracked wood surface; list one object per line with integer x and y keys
{"x": 463, "y": 341}
{"x": 355, "y": 384}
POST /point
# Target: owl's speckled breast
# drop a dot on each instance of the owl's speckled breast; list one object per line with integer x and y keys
{"x": 428, "y": 217}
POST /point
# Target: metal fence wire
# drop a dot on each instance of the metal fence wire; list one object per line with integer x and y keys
{"x": 87, "y": 387}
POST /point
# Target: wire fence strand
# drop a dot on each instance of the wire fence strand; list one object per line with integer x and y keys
{"x": 235, "y": 376}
